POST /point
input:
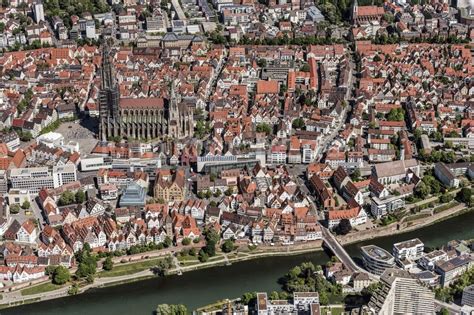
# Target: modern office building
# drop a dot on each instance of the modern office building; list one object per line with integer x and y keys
{"x": 451, "y": 269}
{"x": 468, "y": 296}
{"x": 400, "y": 293}
{"x": 376, "y": 260}
{"x": 411, "y": 250}
{"x": 34, "y": 178}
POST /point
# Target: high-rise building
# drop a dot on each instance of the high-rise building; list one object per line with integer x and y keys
{"x": 141, "y": 118}
{"x": 400, "y": 293}
{"x": 38, "y": 12}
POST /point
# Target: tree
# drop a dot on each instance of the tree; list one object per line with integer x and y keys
{"x": 26, "y": 205}
{"x": 14, "y": 209}
{"x": 227, "y": 246}
{"x": 396, "y": 114}
{"x": 73, "y": 290}
{"x": 422, "y": 190}
{"x": 87, "y": 262}
{"x": 67, "y": 198}
{"x": 108, "y": 263}
{"x": 186, "y": 241}
{"x": 49, "y": 270}
{"x": 444, "y": 311}
{"x": 167, "y": 242}
{"x": 262, "y": 63}
{"x": 263, "y": 127}
{"x": 171, "y": 309}
{"x": 203, "y": 257}
{"x": 218, "y": 193}
{"x": 61, "y": 275}
{"x": 355, "y": 176}
{"x": 323, "y": 298}
{"x": 344, "y": 227}
{"x": 80, "y": 196}
{"x": 274, "y": 295}
{"x": 248, "y": 297}
{"x": 298, "y": 123}
{"x": 305, "y": 68}
{"x": 465, "y": 195}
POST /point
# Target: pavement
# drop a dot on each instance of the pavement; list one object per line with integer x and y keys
{"x": 82, "y": 131}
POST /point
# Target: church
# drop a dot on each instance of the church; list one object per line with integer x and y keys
{"x": 366, "y": 14}
{"x": 140, "y": 118}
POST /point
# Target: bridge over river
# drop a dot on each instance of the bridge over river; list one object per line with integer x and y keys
{"x": 336, "y": 248}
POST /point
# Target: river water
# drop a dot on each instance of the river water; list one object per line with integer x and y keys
{"x": 205, "y": 286}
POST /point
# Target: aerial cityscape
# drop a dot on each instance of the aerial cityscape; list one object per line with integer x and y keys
{"x": 237, "y": 157}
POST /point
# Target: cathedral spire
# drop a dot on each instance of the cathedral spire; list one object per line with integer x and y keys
{"x": 106, "y": 69}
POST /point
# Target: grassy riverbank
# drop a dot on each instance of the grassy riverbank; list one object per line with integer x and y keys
{"x": 130, "y": 268}
{"x": 41, "y": 288}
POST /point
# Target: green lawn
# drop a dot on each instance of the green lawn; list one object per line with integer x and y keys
{"x": 336, "y": 311}
{"x": 187, "y": 258}
{"x": 189, "y": 263}
{"x": 215, "y": 258}
{"x": 45, "y": 287}
{"x": 417, "y": 216}
{"x": 126, "y": 269}
{"x": 445, "y": 207}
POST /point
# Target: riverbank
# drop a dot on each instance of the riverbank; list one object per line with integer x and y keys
{"x": 14, "y": 298}
{"x": 195, "y": 289}
{"x": 400, "y": 228}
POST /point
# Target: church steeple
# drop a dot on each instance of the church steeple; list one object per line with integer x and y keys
{"x": 355, "y": 10}
{"x": 106, "y": 69}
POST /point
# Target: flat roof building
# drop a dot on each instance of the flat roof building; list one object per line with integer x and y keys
{"x": 411, "y": 249}
{"x": 468, "y": 296}
{"x": 376, "y": 259}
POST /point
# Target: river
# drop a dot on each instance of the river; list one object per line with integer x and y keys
{"x": 205, "y": 286}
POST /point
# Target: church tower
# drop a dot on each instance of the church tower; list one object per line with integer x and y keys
{"x": 355, "y": 11}
{"x": 108, "y": 99}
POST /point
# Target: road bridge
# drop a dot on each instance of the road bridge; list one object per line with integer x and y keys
{"x": 331, "y": 242}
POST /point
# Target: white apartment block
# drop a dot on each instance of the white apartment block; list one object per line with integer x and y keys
{"x": 411, "y": 250}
